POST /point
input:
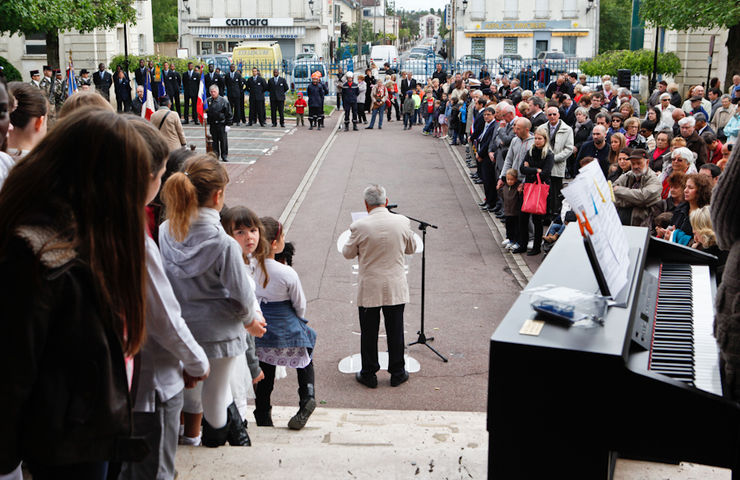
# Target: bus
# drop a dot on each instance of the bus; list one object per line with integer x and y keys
{"x": 264, "y": 56}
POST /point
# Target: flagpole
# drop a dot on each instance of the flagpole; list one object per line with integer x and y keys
{"x": 209, "y": 143}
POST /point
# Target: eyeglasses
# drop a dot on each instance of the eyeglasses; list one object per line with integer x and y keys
{"x": 553, "y": 114}
{"x": 665, "y": 99}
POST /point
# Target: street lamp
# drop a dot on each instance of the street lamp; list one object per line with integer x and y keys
{"x": 465, "y": 5}
{"x": 310, "y": 6}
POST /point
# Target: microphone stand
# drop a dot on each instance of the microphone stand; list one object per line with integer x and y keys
{"x": 423, "y": 339}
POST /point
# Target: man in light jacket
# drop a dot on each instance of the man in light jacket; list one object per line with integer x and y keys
{"x": 380, "y": 242}
{"x": 561, "y": 142}
{"x": 520, "y": 145}
{"x": 636, "y": 191}
{"x": 168, "y": 122}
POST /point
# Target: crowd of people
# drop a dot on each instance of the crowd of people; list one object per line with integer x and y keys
{"x": 179, "y": 307}
{"x": 546, "y": 134}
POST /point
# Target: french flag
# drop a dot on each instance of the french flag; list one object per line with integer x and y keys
{"x": 202, "y": 103}
{"x": 71, "y": 80}
{"x": 148, "y": 108}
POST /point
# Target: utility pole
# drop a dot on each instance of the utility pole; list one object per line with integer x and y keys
{"x": 359, "y": 32}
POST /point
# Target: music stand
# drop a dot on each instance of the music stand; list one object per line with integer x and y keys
{"x": 422, "y": 339}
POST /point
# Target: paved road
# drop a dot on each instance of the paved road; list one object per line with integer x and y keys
{"x": 246, "y": 144}
{"x": 469, "y": 283}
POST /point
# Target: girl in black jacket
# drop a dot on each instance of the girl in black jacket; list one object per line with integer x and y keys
{"x": 539, "y": 160}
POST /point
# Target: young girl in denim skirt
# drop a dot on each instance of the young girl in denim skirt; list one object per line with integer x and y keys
{"x": 289, "y": 341}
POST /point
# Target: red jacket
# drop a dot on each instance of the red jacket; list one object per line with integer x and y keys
{"x": 300, "y": 105}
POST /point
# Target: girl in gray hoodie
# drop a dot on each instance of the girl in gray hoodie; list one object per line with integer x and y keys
{"x": 207, "y": 273}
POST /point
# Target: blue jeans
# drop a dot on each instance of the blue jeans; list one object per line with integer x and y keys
{"x": 378, "y": 111}
{"x": 430, "y": 123}
{"x": 407, "y": 120}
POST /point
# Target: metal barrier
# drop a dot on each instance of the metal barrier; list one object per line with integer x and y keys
{"x": 525, "y": 70}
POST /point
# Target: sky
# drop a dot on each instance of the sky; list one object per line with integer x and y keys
{"x": 421, "y": 4}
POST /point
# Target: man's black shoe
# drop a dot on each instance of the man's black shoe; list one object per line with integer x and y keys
{"x": 354, "y": 128}
{"x": 533, "y": 252}
{"x": 249, "y": 124}
{"x": 482, "y": 204}
{"x": 520, "y": 250}
{"x": 225, "y": 159}
{"x": 486, "y": 208}
{"x": 397, "y": 380}
{"x": 478, "y": 181}
{"x": 369, "y": 382}
{"x": 368, "y": 128}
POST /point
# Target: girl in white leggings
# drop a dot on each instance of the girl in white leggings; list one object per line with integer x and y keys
{"x": 206, "y": 270}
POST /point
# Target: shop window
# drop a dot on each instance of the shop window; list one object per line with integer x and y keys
{"x": 206, "y": 48}
{"x": 233, "y": 45}
{"x": 511, "y": 45}
{"x": 220, "y": 46}
{"x": 478, "y": 47}
{"x": 569, "y": 46}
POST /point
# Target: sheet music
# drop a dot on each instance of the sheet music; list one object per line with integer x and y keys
{"x": 589, "y": 193}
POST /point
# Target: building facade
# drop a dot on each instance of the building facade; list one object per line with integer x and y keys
{"x": 692, "y": 49}
{"x": 429, "y": 25}
{"x": 525, "y": 27}
{"x": 217, "y": 26}
{"x": 28, "y": 52}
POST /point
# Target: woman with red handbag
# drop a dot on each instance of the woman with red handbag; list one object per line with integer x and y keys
{"x": 536, "y": 168}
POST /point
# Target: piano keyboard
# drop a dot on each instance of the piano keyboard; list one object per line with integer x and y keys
{"x": 683, "y": 344}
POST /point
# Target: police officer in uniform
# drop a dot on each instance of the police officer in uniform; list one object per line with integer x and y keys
{"x": 350, "y": 90}
{"x": 256, "y": 86}
{"x": 277, "y": 86}
{"x": 103, "y": 81}
{"x": 234, "y": 91}
{"x": 219, "y": 116}
{"x": 172, "y": 82}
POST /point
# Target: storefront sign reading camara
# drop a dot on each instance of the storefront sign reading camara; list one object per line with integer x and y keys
{"x": 251, "y": 22}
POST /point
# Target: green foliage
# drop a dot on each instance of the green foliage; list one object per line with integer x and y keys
{"x": 180, "y": 64}
{"x": 615, "y": 18}
{"x": 683, "y": 15}
{"x": 640, "y": 62}
{"x": 367, "y": 32}
{"x": 11, "y": 73}
{"x": 404, "y": 34}
{"x": 443, "y": 31}
{"x": 29, "y": 16}
{"x": 164, "y": 19}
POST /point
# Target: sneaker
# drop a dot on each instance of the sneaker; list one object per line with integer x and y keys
{"x": 445, "y": 136}
{"x": 506, "y": 243}
{"x": 193, "y": 442}
{"x": 424, "y": 133}
{"x": 512, "y": 246}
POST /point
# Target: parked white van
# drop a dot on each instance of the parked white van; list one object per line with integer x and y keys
{"x": 380, "y": 54}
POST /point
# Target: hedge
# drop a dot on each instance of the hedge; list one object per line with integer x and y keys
{"x": 180, "y": 64}
{"x": 11, "y": 73}
{"x": 640, "y": 62}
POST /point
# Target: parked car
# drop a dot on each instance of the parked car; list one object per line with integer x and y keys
{"x": 382, "y": 54}
{"x": 508, "y": 63}
{"x": 302, "y": 71}
{"x": 220, "y": 60}
{"x": 557, "y": 61}
{"x": 306, "y": 56}
{"x": 469, "y": 62}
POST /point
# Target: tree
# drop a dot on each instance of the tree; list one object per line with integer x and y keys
{"x": 164, "y": 20}
{"x": 687, "y": 16}
{"x": 614, "y": 25}
{"x": 640, "y": 62}
{"x": 54, "y": 16}
{"x": 367, "y": 32}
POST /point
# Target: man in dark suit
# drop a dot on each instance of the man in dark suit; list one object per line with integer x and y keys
{"x": 233, "y": 81}
{"x": 123, "y": 91}
{"x": 277, "y": 86}
{"x": 486, "y": 158}
{"x": 190, "y": 86}
{"x": 256, "y": 86}
{"x": 213, "y": 77}
{"x": 407, "y": 84}
{"x": 242, "y": 91}
{"x": 172, "y": 82}
{"x": 140, "y": 73}
{"x": 568, "y": 111}
{"x": 103, "y": 81}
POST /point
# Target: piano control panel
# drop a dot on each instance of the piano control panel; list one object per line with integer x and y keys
{"x": 642, "y": 328}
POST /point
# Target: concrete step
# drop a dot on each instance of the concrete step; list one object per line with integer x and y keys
{"x": 378, "y": 444}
